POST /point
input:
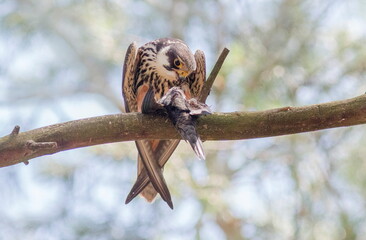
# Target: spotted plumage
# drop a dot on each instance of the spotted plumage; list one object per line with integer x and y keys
{"x": 158, "y": 65}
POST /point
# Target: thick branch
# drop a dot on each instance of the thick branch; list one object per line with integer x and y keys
{"x": 20, "y": 147}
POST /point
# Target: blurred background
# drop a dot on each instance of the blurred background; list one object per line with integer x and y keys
{"x": 61, "y": 60}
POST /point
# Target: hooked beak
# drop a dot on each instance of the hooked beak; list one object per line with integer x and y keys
{"x": 185, "y": 72}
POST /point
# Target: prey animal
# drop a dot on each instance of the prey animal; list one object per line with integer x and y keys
{"x": 183, "y": 113}
{"x": 155, "y": 68}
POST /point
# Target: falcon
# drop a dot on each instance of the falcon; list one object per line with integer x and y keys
{"x": 153, "y": 69}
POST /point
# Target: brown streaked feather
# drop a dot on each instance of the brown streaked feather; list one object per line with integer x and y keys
{"x": 198, "y": 77}
{"x": 147, "y": 190}
{"x": 128, "y": 78}
{"x": 164, "y": 150}
{"x": 153, "y": 170}
{"x": 148, "y": 158}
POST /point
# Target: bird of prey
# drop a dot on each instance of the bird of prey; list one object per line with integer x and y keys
{"x": 156, "y": 67}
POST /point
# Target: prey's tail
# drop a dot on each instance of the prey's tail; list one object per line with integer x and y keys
{"x": 198, "y": 148}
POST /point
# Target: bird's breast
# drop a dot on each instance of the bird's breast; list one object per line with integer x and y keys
{"x": 161, "y": 86}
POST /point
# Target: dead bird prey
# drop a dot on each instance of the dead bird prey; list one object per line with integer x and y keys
{"x": 183, "y": 113}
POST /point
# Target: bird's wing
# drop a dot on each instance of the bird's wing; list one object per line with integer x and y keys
{"x": 153, "y": 170}
{"x": 128, "y": 78}
{"x": 159, "y": 150}
{"x": 147, "y": 156}
{"x": 163, "y": 151}
{"x": 198, "y": 77}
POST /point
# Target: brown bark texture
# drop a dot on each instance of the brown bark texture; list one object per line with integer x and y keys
{"x": 20, "y": 146}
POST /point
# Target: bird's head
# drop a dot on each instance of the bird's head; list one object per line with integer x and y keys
{"x": 174, "y": 60}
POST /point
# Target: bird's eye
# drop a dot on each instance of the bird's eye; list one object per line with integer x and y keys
{"x": 177, "y": 63}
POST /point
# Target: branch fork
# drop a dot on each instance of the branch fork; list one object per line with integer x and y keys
{"x": 19, "y": 146}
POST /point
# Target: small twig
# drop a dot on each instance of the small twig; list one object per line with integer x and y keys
{"x": 210, "y": 80}
{"x": 15, "y": 131}
{"x": 34, "y": 146}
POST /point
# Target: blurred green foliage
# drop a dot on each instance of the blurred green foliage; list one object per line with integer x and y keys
{"x": 61, "y": 60}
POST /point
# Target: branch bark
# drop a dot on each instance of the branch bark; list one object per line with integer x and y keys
{"x": 21, "y": 146}
{"x": 210, "y": 80}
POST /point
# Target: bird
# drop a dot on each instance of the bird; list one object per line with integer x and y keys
{"x": 183, "y": 113}
{"x": 150, "y": 71}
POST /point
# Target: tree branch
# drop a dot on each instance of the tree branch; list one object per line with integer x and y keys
{"x": 210, "y": 80}
{"x": 21, "y": 146}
